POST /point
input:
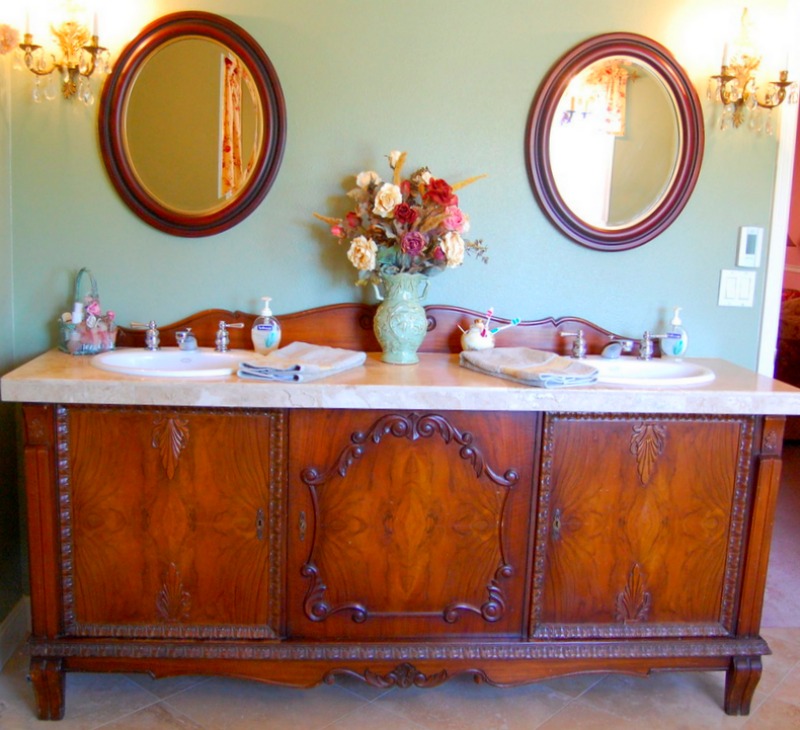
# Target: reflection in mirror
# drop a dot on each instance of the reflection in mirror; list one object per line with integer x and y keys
{"x": 193, "y": 107}
{"x": 192, "y": 124}
{"x": 616, "y": 123}
{"x": 615, "y": 141}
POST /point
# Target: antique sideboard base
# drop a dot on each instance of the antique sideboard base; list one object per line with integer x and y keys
{"x": 402, "y": 665}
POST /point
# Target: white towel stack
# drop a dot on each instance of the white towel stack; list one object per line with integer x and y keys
{"x": 530, "y": 367}
{"x": 301, "y": 361}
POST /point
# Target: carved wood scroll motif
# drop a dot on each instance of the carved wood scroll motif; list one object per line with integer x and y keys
{"x": 413, "y": 519}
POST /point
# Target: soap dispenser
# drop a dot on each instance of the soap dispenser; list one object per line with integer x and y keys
{"x": 674, "y": 343}
{"x": 266, "y": 331}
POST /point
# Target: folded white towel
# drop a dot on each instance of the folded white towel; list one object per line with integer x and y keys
{"x": 530, "y": 367}
{"x": 301, "y": 361}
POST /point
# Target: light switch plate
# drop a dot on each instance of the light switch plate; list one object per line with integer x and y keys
{"x": 737, "y": 288}
{"x": 751, "y": 239}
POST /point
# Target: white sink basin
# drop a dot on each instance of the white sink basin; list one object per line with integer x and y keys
{"x": 171, "y": 362}
{"x": 659, "y": 371}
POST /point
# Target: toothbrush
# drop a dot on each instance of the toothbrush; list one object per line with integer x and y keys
{"x": 514, "y": 322}
{"x": 489, "y": 314}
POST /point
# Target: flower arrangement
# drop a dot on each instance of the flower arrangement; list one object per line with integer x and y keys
{"x": 412, "y": 225}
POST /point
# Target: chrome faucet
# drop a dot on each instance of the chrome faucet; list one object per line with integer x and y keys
{"x": 578, "y": 344}
{"x": 223, "y": 339}
{"x": 616, "y": 346}
{"x": 152, "y": 339}
{"x": 185, "y": 339}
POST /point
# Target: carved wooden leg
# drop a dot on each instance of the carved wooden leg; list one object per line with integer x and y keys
{"x": 740, "y": 683}
{"x": 47, "y": 676}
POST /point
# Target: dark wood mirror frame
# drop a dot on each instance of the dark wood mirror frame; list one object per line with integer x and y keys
{"x": 111, "y": 122}
{"x": 690, "y": 155}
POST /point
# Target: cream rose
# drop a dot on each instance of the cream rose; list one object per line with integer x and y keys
{"x": 362, "y": 253}
{"x": 453, "y": 246}
{"x": 365, "y": 179}
{"x": 386, "y": 199}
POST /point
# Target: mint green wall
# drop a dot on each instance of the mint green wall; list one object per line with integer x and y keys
{"x": 10, "y": 565}
{"x": 449, "y": 81}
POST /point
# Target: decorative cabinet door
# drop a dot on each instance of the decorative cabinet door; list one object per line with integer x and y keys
{"x": 408, "y": 524}
{"x": 640, "y": 525}
{"x": 171, "y": 522}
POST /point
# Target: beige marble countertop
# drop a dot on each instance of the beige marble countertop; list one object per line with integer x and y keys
{"x": 437, "y": 381}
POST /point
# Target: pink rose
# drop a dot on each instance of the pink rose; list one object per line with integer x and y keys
{"x": 337, "y": 231}
{"x": 455, "y": 219}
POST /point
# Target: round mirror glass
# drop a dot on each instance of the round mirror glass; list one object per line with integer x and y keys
{"x": 614, "y": 142}
{"x": 192, "y": 124}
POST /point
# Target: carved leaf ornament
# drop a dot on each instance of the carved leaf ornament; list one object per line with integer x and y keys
{"x": 173, "y": 602}
{"x": 169, "y": 437}
{"x": 633, "y": 602}
{"x": 647, "y": 445}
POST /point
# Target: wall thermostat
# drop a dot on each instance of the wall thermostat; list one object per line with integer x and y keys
{"x": 751, "y": 239}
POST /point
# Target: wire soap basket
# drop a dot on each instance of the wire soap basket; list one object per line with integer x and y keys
{"x": 86, "y": 330}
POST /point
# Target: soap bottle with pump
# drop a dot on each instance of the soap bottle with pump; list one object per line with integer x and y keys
{"x": 675, "y": 342}
{"x": 266, "y": 330}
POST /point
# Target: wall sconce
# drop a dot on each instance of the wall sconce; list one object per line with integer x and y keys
{"x": 80, "y": 56}
{"x": 735, "y": 86}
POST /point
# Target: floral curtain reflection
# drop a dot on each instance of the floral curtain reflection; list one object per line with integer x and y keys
{"x": 232, "y": 173}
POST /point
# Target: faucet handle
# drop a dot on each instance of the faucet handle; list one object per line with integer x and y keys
{"x": 646, "y": 345}
{"x": 152, "y": 339}
{"x": 578, "y": 344}
{"x": 223, "y": 339}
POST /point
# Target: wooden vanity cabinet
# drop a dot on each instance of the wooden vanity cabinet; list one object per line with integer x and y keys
{"x": 640, "y": 526}
{"x": 170, "y": 530}
{"x": 406, "y": 525}
{"x": 402, "y": 547}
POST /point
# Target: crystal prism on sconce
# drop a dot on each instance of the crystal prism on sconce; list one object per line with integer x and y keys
{"x": 735, "y": 86}
{"x": 81, "y": 56}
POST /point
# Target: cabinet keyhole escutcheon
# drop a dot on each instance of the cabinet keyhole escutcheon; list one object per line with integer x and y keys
{"x": 556, "y": 524}
{"x": 260, "y": 524}
{"x": 302, "y": 526}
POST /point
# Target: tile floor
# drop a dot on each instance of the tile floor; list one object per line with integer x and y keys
{"x": 689, "y": 701}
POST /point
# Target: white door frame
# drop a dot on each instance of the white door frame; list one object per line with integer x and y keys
{"x": 781, "y": 202}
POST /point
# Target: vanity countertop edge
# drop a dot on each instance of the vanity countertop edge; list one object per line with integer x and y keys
{"x": 437, "y": 382}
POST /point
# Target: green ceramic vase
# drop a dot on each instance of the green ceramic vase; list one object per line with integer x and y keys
{"x": 400, "y": 321}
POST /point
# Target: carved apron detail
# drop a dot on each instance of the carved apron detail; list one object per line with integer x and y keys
{"x": 404, "y": 675}
{"x": 647, "y": 445}
{"x": 169, "y": 437}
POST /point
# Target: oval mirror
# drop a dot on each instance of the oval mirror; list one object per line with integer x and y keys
{"x": 614, "y": 141}
{"x": 192, "y": 124}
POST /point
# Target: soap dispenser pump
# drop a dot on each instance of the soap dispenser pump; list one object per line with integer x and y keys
{"x": 675, "y": 342}
{"x": 266, "y": 330}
